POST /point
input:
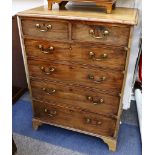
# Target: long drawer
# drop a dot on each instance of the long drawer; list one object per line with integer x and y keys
{"x": 73, "y": 96}
{"x": 105, "y": 79}
{"x": 109, "y": 34}
{"x": 95, "y": 55}
{"x": 85, "y": 121}
{"x": 47, "y": 29}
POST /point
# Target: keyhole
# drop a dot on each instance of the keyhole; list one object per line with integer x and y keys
{"x": 70, "y": 48}
{"x": 70, "y": 89}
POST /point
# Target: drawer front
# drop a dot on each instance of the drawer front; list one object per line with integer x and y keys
{"x": 47, "y": 50}
{"x": 48, "y": 29}
{"x": 107, "y": 34}
{"x": 95, "y": 55}
{"x": 99, "y": 55}
{"x": 74, "y": 119}
{"x": 73, "y": 96}
{"x": 104, "y": 79}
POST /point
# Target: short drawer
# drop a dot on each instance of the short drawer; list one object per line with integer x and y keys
{"x": 48, "y": 29}
{"x": 47, "y": 50}
{"x": 84, "y": 121}
{"x": 107, "y": 34}
{"x": 72, "y": 73}
{"x": 75, "y": 96}
{"x": 100, "y": 56}
{"x": 95, "y": 55}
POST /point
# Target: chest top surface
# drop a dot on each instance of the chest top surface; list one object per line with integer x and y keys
{"x": 127, "y": 16}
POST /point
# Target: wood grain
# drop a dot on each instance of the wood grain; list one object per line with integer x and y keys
{"x": 84, "y": 121}
{"x": 115, "y": 56}
{"x": 72, "y": 73}
{"x": 127, "y": 16}
{"x": 123, "y": 86}
{"x": 58, "y": 31}
{"x": 117, "y": 35}
{"x": 77, "y": 53}
{"x": 111, "y": 143}
{"x": 75, "y": 97}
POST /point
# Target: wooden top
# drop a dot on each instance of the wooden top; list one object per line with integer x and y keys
{"x": 127, "y": 16}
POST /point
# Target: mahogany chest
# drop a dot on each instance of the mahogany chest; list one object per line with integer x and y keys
{"x": 76, "y": 65}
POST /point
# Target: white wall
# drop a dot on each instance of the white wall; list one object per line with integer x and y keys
{"x": 134, "y": 50}
{"x": 21, "y": 5}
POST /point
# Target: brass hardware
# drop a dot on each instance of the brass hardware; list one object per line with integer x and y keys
{"x": 51, "y": 48}
{"x": 46, "y": 51}
{"x": 49, "y": 26}
{"x": 91, "y": 31}
{"x": 100, "y": 80}
{"x": 104, "y": 55}
{"x": 43, "y": 28}
{"x": 126, "y": 48}
{"x": 103, "y": 78}
{"x": 40, "y": 46}
{"x": 38, "y": 25}
{"x": 90, "y": 76}
{"x": 49, "y": 91}
{"x": 47, "y": 70}
{"x": 51, "y": 113}
{"x": 100, "y": 101}
{"x": 88, "y": 120}
{"x": 70, "y": 48}
{"x": 99, "y": 122}
{"x": 92, "y": 56}
{"x": 104, "y": 32}
{"x": 89, "y": 98}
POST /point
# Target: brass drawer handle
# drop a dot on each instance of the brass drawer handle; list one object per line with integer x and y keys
{"x": 102, "y": 56}
{"x": 100, "y": 80}
{"x": 49, "y": 91}
{"x": 104, "y": 33}
{"x": 93, "y": 122}
{"x": 46, "y": 51}
{"x": 47, "y": 70}
{"x": 43, "y": 28}
{"x": 88, "y": 120}
{"x": 98, "y": 122}
{"x": 100, "y": 101}
{"x": 51, "y": 113}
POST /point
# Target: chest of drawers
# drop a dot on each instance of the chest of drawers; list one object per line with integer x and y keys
{"x": 76, "y": 65}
